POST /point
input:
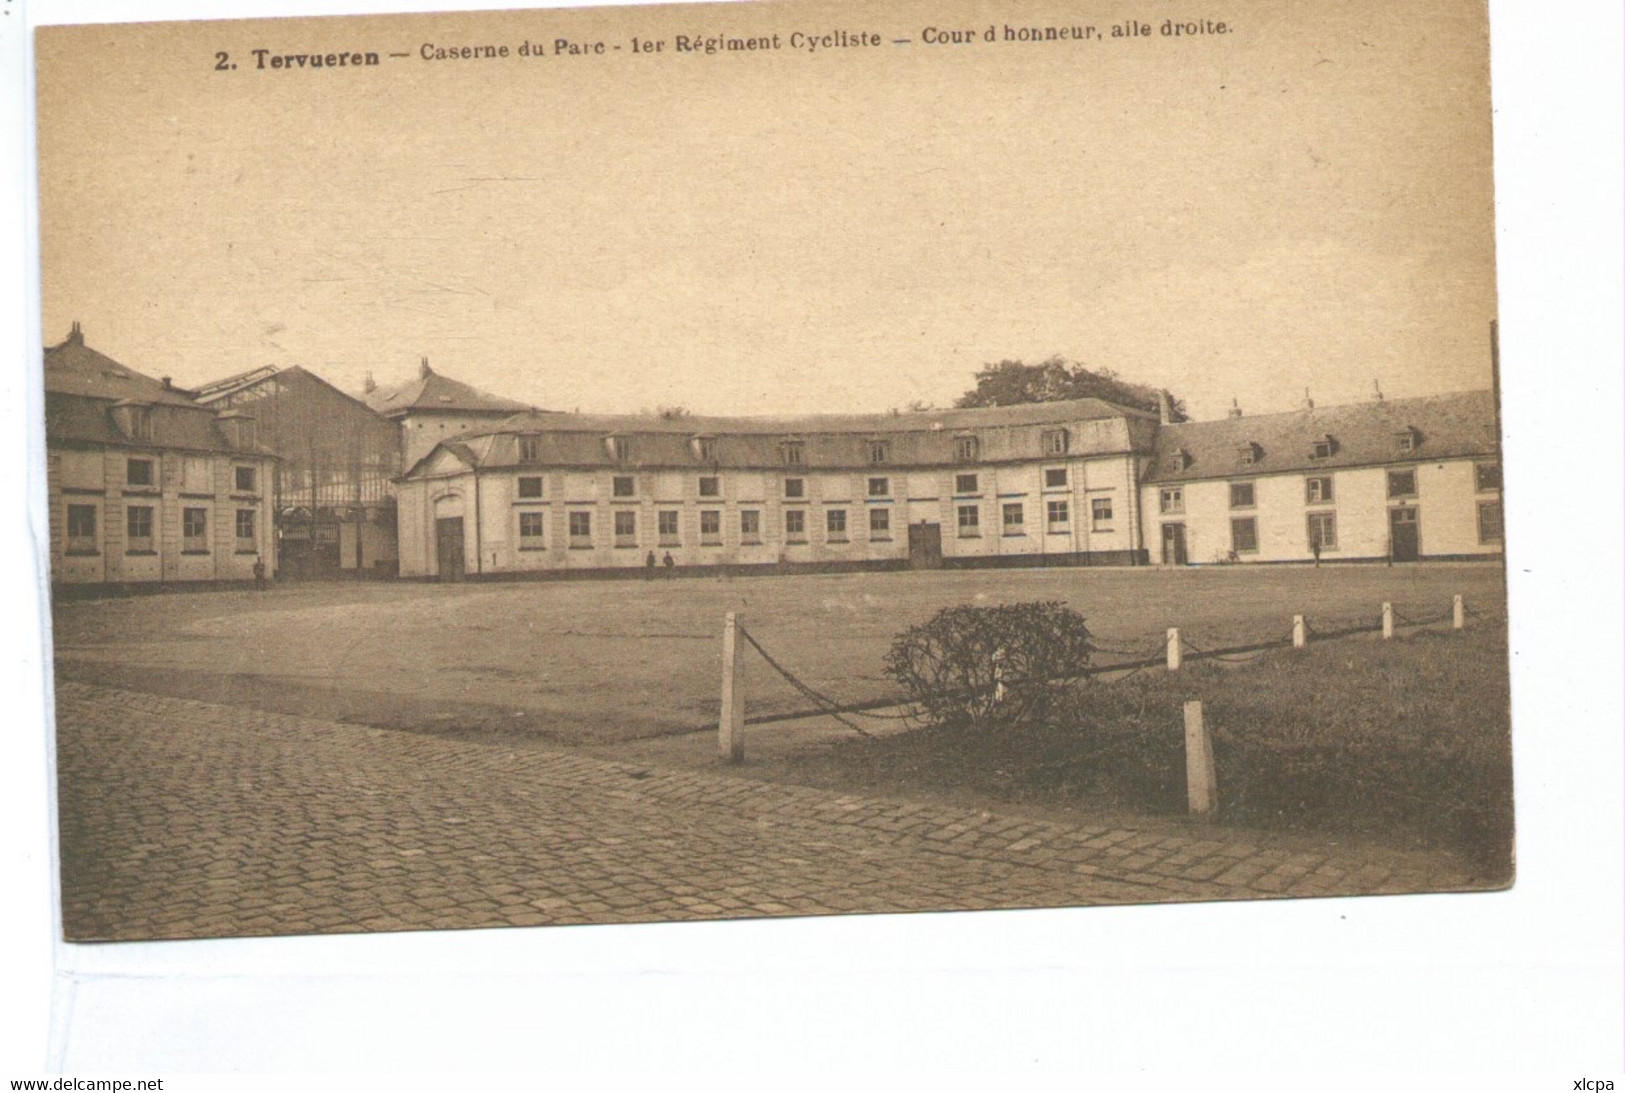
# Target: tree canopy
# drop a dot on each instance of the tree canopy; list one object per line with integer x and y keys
{"x": 1009, "y": 383}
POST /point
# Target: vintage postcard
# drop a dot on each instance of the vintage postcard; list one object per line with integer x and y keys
{"x": 739, "y": 460}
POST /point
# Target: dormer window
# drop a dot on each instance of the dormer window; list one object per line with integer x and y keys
{"x": 530, "y": 449}
{"x": 791, "y": 452}
{"x": 134, "y": 421}
{"x": 705, "y": 449}
{"x": 1322, "y": 447}
{"x": 1249, "y": 453}
{"x": 619, "y": 448}
{"x": 967, "y": 448}
{"x": 1179, "y": 460}
{"x": 1056, "y": 442}
{"x": 1407, "y": 439}
{"x": 879, "y": 451}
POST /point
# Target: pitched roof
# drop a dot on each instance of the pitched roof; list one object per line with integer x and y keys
{"x": 1363, "y": 434}
{"x": 83, "y": 388}
{"x": 430, "y": 392}
{"x": 826, "y": 442}
{"x": 73, "y": 368}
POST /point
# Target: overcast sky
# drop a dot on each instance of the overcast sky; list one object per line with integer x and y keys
{"x": 1304, "y": 202}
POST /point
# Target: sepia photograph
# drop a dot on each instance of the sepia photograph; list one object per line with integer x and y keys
{"x": 535, "y": 468}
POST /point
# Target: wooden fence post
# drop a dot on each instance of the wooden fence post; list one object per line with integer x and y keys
{"x": 1173, "y": 649}
{"x": 1387, "y": 621}
{"x": 1201, "y": 783}
{"x": 731, "y": 726}
{"x": 1458, "y": 613}
{"x": 1300, "y": 633}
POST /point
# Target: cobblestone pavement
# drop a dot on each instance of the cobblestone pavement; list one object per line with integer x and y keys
{"x": 185, "y": 819}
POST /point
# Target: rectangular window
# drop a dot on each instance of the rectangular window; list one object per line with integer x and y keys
{"x": 879, "y": 487}
{"x": 1487, "y": 476}
{"x": 795, "y": 487}
{"x": 620, "y": 448}
{"x": 710, "y": 486}
{"x": 530, "y": 530}
{"x": 1054, "y": 478}
{"x": 667, "y": 527}
{"x": 879, "y": 523}
{"x": 835, "y": 525}
{"x": 246, "y": 540}
{"x": 1242, "y": 495}
{"x": 1015, "y": 521}
{"x": 1402, "y": 483}
{"x": 1058, "y": 514}
{"x": 624, "y": 485}
{"x": 1318, "y": 491}
{"x": 245, "y": 479}
{"x": 138, "y": 528}
{"x": 706, "y": 448}
{"x": 530, "y": 485}
{"x": 750, "y": 526}
{"x": 879, "y": 451}
{"x": 1321, "y": 449}
{"x": 195, "y": 531}
{"x": 970, "y": 522}
{"x": 1100, "y": 513}
{"x": 964, "y": 483}
{"x": 966, "y": 448}
{"x": 710, "y": 527}
{"x": 791, "y": 451}
{"x": 1406, "y": 441}
{"x": 1056, "y": 442}
{"x": 1323, "y": 530}
{"x": 581, "y": 529}
{"x": 138, "y": 472}
{"x": 1244, "y": 535}
{"x": 626, "y": 528}
{"x": 1491, "y": 528}
{"x": 795, "y": 525}
{"x": 530, "y": 449}
{"x": 82, "y": 530}
{"x": 1173, "y": 500}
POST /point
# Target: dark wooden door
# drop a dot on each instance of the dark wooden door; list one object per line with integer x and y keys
{"x": 1173, "y": 545}
{"x": 1404, "y": 534}
{"x": 449, "y": 547}
{"x": 925, "y": 546}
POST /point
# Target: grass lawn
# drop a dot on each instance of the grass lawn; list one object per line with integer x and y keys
{"x": 605, "y": 661}
{"x": 1403, "y": 743}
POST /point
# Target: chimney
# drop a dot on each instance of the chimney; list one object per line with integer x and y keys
{"x": 75, "y": 335}
{"x": 423, "y": 369}
{"x": 1235, "y": 408}
{"x": 169, "y": 384}
{"x": 368, "y": 385}
{"x": 1308, "y": 403}
{"x": 1165, "y": 407}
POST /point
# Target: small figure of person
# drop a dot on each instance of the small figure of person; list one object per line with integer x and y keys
{"x": 1314, "y": 545}
{"x": 259, "y": 574}
{"x": 649, "y": 566}
{"x": 668, "y": 561}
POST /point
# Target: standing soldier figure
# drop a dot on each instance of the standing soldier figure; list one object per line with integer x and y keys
{"x": 259, "y": 574}
{"x": 668, "y": 561}
{"x": 649, "y": 565}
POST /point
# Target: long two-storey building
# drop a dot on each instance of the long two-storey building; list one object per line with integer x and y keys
{"x": 1052, "y": 483}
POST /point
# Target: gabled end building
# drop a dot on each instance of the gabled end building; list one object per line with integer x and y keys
{"x": 146, "y": 485}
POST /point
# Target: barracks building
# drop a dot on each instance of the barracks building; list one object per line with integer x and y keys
{"x": 436, "y": 479}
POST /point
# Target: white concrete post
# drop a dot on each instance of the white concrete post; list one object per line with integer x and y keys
{"x": 1300, "y": 633}
{"x": 1173, "y": 649}
{"x": 1458, "y": 613}
{"x": 1387, "y": 621}
{"x": 731, "y": 726}
{"x": 1201, "y": 783}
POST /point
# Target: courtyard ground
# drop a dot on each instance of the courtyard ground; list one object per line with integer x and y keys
{"x": 592, "y": 662}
